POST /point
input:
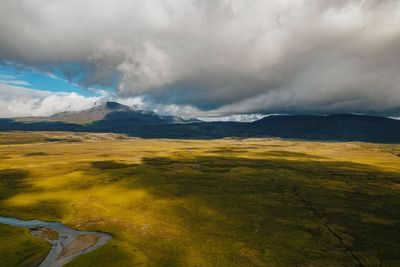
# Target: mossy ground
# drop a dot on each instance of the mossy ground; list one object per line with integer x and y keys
{"x": 254, "y": 202}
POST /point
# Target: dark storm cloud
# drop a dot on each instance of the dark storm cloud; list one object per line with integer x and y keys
{"x": 224, "y": 56}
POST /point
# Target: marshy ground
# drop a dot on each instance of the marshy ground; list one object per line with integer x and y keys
{"x": 252, "y": 202}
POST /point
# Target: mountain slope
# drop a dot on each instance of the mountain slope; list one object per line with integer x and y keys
{"x": 95, "y": 113}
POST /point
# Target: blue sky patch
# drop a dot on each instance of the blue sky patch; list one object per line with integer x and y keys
{"x": 33, "y": 79}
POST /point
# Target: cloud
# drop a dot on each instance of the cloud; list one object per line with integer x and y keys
{"x": 19, "y": 102}
{"x": 235, "y": 117}
{"x": 16, "y": 82}
{"x": 222, "y": 57}
{"x": 12, "y": 80}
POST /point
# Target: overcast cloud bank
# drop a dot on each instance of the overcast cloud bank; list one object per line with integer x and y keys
{"x": 215, "y": 57}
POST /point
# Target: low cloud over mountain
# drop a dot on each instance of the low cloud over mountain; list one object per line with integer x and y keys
{"x": 19, "y": 102}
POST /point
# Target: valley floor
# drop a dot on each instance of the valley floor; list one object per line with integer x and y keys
{"x": 233, "y": 202}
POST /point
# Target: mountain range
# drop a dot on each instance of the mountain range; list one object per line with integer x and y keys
{"x": 118, "y": 118}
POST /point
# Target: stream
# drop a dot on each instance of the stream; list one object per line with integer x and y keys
{"x": 66, "y": 243}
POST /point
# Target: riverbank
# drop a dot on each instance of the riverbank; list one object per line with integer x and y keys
{"x": 66, "y": 243}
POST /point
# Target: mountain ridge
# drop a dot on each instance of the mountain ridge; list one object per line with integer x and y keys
{"x": 117, "y": 118}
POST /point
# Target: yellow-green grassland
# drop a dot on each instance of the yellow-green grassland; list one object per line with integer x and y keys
{"x": 250, "y": 202}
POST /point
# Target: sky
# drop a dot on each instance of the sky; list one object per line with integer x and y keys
{"x": 228, "y": 59}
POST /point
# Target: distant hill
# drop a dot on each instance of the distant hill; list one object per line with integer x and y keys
{"x": 94, "y": 114}
{"x": 116, "y": 118}
{"x": 347, "y": 127}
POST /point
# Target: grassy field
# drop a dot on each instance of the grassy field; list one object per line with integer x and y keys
{"x": 252, "y": 202}
{"x": 19, "y": 248}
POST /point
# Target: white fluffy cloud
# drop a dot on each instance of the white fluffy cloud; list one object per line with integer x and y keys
{"x": 227, "y": 56}
{"x": 19, "y": 102}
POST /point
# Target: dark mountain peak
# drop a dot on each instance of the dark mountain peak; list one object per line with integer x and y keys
{"x": 114, "y": 106}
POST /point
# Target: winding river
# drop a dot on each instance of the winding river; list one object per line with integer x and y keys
{"x": 66, "y": 243}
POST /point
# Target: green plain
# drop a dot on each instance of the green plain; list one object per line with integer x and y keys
{"x": 253, "y": 202}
